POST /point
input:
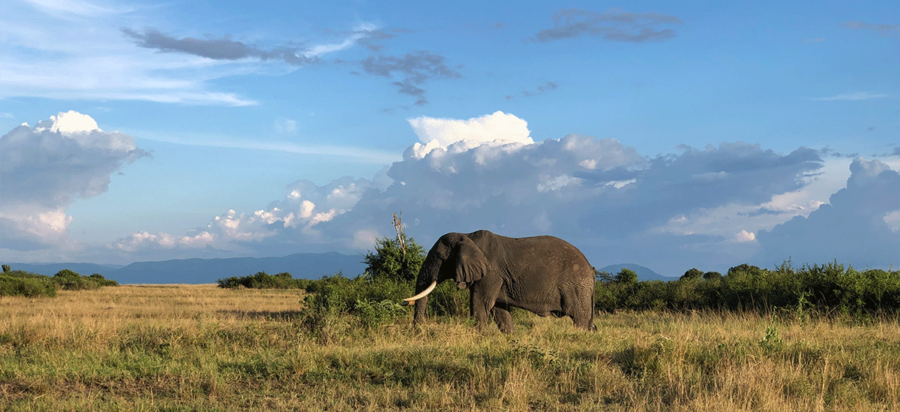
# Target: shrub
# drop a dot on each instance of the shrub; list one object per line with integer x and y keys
{"x": 626, "y": 276}
{"x": 712, "y": 275}
{"x": 102, "y": 281}
{"x": 69, "y": 280}
{"x": 12, "y": 284}
{"x": 66, "y": 273}
{"x": 692, "y": 274}
{"x": 373, "y": 301}
{"x": 448, "y": 300}
{"x": 263, "y": 280}
{"x": 390, "y": 261}
{"x": 21, "y": 283}
{"x": 374, "y": 313}
{"x": 819, "y": 288}
{"x": 6, "y": 269}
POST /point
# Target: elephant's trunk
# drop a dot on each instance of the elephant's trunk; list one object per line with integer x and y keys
{"x": 426, "y": 281}
{"x": 419, "y": 317}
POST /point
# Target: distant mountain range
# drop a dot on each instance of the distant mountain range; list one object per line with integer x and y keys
{"x": 198, "y": 271}
{"x": 643, "y": 273}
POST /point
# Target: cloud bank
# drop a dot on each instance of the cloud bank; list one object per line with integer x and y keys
{"x": 859, "y": 225}
{"x": 46, "y": 168}
{"x": 718, "y": 206}
{"x": 612, "y": 25}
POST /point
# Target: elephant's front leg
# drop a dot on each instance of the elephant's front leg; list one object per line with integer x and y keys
{"x": 483, "y": 296}
{"x": 502, "y": 317}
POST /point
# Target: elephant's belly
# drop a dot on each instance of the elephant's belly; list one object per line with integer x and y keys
{"x": 540, "y": 309}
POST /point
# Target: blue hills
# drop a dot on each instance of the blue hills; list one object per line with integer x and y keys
{"x": 199, "y": 271}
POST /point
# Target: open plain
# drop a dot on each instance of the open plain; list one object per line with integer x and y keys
{"x": 177, "y": 347}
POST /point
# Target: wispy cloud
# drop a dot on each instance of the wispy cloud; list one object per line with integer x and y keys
{"x": 359, "y": 154}
{"x": 412, "y": 70}
{"x": 546, "y": 87}
{"x": 225, "y": 48}
{"x": 216, "y": 49}
{"x": 613, "y": 25}
{"x": 42, "y": 58}
{"x": 852, "y": 96}
{"x": 881, "y": 29}
{"x": 286, "y": 127}
{"x": 72, "y": 8}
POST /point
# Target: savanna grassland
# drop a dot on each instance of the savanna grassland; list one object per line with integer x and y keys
{"x": 208, "y": 348}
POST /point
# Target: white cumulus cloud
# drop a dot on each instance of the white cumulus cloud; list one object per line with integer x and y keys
{"x": 46, "y": 168}
{"x": 855, "y": 226}
{"x": 494, "y": 129}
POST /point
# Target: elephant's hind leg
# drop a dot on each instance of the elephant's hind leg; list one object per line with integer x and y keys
{"x": 583, "y": 314}
{"x": 584, "y": 321}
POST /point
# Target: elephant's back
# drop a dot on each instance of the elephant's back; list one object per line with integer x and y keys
{"x": 554, "y": 253}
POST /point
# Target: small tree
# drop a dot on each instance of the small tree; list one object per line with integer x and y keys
{"x": 692, "y": 274}
{"x": 626, "y": 276}
{"x": 712, "y": 275}
{"x": 66, "y": 273}
{"x": 746, "y": 269}
{"x": 603, "y": 276}
{"x": 6, "y": 269}
{"x": 390, "y": 262}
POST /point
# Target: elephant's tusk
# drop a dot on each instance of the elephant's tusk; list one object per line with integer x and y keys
{"x": 421, "y": 295}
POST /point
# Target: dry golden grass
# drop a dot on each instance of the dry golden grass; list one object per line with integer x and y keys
{"x": 201, "y": 347}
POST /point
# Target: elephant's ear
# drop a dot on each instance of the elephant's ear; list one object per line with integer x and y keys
{"x": 471, "y": 264}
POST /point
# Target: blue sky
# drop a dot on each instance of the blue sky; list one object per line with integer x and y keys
{"x": 696, "y": 134}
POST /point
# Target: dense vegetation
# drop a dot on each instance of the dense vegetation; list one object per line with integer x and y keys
{"x": 818, "y": 289}
{"x": 821, "y": 289}
{"x": 373, "y": 297}
{"x": 22, "y": 283}
{"x": 263, "y": 280}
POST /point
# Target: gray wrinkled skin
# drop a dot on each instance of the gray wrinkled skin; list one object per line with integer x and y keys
{"x": 543, "y": 274}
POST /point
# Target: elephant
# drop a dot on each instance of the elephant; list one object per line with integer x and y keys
{"x": 543, "y": 274}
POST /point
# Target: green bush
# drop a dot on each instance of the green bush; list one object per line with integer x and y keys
{"x": 102, "y": 281}
{"x": 627, "y": 276}
{"x": 66, "y": 273}
{"x": 263, "y": 280}
{"x": 390, "y": 261}
{"x": 22, "y": 283}
{"x": 448, "y": 300}
{"x": 826, "y": 288}
{"x": 371, "y": 301}
{"x": 712, "y": 275}
{"x": 18, "y": 283}
{"x": 69, "y": 280}
{"x": 692, "y": 274}
{"x": 341, "y": 294}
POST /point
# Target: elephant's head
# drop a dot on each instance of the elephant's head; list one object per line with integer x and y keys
{"x": 454, "y": 256}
